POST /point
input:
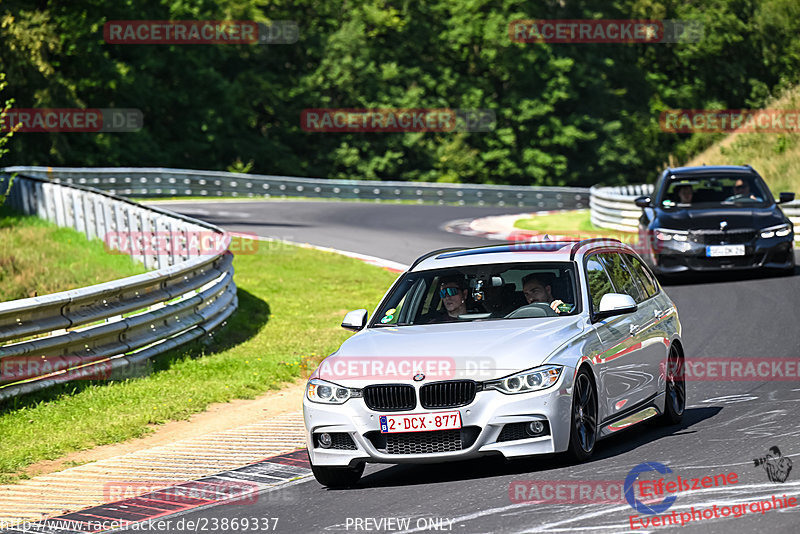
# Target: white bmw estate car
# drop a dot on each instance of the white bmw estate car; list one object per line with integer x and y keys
{"x": 516, "y": 350}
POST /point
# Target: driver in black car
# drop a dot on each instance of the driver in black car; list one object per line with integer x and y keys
{"x": 741, "y": 189}
{"x": 536, "y": 288}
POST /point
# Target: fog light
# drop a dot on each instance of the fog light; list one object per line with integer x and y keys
{"x": 325, "y": 440}
{"x": 534, "y": 428}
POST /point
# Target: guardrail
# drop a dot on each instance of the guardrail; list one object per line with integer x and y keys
{"x": 613, "y": 207}
{"x": 158, "y": 182}
{"x": 103, "y": 330}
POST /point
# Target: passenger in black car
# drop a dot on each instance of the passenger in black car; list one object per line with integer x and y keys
{"x": 685, "y": 193}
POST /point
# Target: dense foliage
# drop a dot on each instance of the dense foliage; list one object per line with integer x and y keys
{"x": 567, "y": 114}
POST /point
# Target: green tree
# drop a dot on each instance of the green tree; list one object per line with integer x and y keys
{"x": 6, "y": 132}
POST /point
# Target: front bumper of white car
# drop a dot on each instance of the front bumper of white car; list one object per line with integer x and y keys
{"x": 493, "y": 423}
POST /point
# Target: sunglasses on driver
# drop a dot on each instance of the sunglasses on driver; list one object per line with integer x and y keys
{"x": 449, "y": 292}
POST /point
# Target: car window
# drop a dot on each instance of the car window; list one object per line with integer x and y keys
{"x": 712, "y": 190}
{"x": 598, "y": 281}
{"x": 646, "y": 281}
{"x": 481, "y": 293}
{"x": 621, "y": 276}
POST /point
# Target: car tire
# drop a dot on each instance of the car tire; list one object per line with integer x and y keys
{"x": 675, "y": 389}
{"x": 338, "y": 477}
{"x": 583, "y": 420}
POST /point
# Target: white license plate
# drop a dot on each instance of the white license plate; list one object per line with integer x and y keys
{"x": 420, "y": 422}
{"x": 716, "y": 251}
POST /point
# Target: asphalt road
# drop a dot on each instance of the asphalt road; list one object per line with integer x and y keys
{"x": 727, "y": 423}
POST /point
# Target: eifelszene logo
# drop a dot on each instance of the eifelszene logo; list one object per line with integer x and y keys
{"x": 635, "y": 503}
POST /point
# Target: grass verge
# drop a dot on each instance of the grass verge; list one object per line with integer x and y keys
{"x": 576, "y": 224}
{"x": 291, "y": 302}
{"x": 37, "y": 258}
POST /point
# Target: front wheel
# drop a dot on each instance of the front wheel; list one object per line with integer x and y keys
{"x": 583, "y": 427}
{"x": 675, "y": 402}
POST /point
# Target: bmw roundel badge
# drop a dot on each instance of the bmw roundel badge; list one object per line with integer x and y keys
{"x": 419, "y": 377}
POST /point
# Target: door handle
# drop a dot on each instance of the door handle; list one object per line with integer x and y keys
{"x": 634, "y": 328}
{"x": 656, "y": 313}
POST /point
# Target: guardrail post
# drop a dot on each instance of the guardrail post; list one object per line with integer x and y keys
{"x": 163, "y": 241}
{"x": 123, "y": 237}
{"x": 63, "y": 204}
{"x": 50, "y": 202}
{"x": 77, "y": 212}
{"x": 147, "y": 237}
{"x": 25, "y": 196}
{"x": 41, "y": 206}
{"x": 134, "y": 235}
{"x": 99, "y": 217}
{"x": 88, "y": 215}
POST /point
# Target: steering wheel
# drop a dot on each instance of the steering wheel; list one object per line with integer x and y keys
{"x": 740, "y": 196}
{"x": 534, "y": 309}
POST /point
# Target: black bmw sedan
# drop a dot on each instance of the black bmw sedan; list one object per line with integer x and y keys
{"x": 714, "y": 218}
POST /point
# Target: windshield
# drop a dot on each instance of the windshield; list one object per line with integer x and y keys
{"x": 481, "y": 293}
{"x": 708, "y": 191}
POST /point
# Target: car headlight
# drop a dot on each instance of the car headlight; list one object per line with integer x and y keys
{"x": 329, "y": 393}
{"x": 781, "y": 230}
{"x": 662, "y": 234}
{"x": 527, "y": 381}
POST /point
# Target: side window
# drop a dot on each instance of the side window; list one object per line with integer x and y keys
{"x": 621, "y": 276}
{"x": 643, "y": 275}
{"x": 431, "y": 300}
{"x": 392, "y": 315}
{"x": 599, "y": 283}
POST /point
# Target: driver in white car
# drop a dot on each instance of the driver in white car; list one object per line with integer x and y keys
{"x": 537, "y": 289}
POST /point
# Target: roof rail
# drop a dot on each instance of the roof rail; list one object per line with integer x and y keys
{"x": 434, "y": 253}
{"x": 580, "y": 244}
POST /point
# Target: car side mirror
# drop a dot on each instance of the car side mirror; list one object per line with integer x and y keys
{"x": 615, "y": 304}
{"x": 785, "y": 197}
{"x": 643, "y": 202}
{"x": 355, "y": 320}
